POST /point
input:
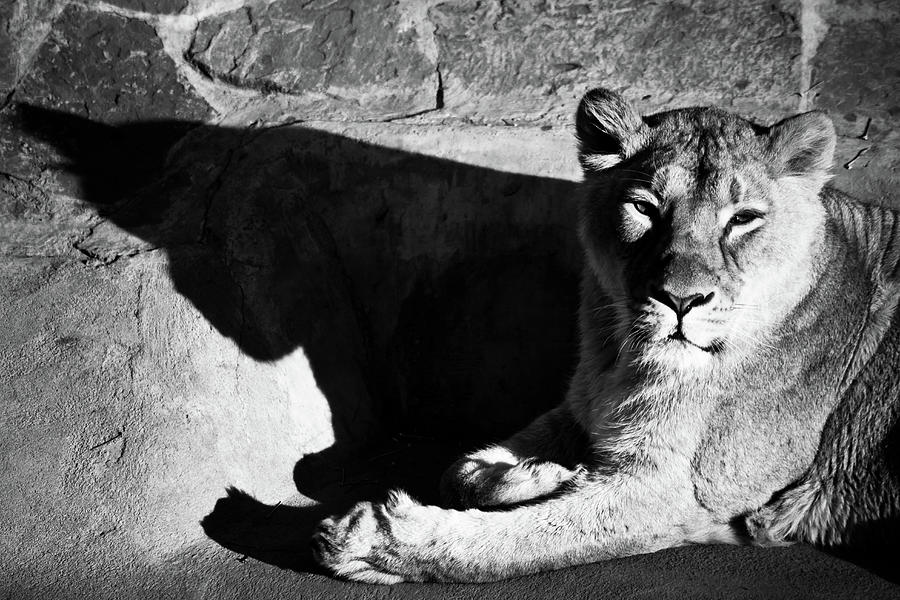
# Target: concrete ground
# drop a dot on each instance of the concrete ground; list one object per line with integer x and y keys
{"x": 260, "y": 259}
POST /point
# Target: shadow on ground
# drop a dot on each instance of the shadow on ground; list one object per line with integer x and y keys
{"x": 280, "y": 534}
{"x": 434, "y": 300}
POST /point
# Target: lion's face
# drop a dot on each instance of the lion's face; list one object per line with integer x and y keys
{"x": 700, "y": 226}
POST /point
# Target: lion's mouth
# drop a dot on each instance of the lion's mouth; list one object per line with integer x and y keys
{"x": 678, "y": 336}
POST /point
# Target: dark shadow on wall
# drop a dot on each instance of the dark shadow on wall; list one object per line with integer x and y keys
{"x": 435, "y": 301}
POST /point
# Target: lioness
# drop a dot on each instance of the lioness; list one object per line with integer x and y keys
{"x": 737, "y": 379}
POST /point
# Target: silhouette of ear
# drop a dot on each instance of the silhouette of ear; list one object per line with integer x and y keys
{"x": 609, "y": 130}
{"x": 803, "y": 146}
{"x": 112, "y": 162}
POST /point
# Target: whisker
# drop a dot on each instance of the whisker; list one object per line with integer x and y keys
{"x": 629, "y": 340}
{"x": 606, "y": 307}
{"x": 634, "y": 171}
{"x": 752, "y": 341}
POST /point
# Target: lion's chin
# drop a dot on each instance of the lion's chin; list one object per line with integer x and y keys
{"x": 676, "y": 356}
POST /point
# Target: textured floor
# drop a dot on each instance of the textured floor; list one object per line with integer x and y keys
{"x": 258, "y": 550}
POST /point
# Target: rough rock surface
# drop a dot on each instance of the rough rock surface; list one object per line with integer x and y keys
{"x": 108, "y": 68}
{"x": 516, "y": 61}
{"x": 239, "y": 240}
{"x": 350, "y": 51}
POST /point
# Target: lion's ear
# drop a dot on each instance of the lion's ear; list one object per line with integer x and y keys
{"x": 609, "y": 130}
{"x": 803, "y": 146}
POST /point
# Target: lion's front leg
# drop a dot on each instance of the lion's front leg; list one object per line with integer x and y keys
{"x": 405, "y": 541}
{"x": 402, "y": 540}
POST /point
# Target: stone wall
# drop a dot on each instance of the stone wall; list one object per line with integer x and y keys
{"x": 236, "y": 233}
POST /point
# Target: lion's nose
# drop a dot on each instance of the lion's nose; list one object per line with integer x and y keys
{"x": 682, "y": 305}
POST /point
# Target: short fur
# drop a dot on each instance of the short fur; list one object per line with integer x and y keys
{"x": 737, "y": 379}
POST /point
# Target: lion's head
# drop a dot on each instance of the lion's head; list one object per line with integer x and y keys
{"x": 701, "y": 227}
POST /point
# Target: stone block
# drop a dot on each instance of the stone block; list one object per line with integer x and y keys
{"x": 361, "y": 56}
{"x": 527, "y": 61}
{"x": 107, "y": 68}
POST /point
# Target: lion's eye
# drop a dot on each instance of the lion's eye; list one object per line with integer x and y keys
{"x": 744, "y": 217}
{"x": 645, "y": 208}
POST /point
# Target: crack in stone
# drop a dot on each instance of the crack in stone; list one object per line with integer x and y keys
{"x": 240, "y": 335}
{"x": 200, "y": 67}
{"x": 85, "y": 236}
{"x": 134, "y": 354}
{"x": 122, "y": 447}
{"x": 109, "y": 440}
{"x": 438, "y": 104}
{"x": 254, "y": 31}
{"x": 216, "y": 185}
{"x": 12, "y": 177}
{"x": 414, "y": 15}
{"x": 104, "y": 260}
{"x": 399, "y": 117}
{"x": 139, "y": 324}
{"x": 95, "y": 259}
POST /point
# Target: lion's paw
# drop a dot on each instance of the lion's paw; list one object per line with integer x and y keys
{"x": 362, "y": 545}
{"x": 473, "y": 482}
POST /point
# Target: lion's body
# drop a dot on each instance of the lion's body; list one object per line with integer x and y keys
{"x": 740, "y": 436}
{"x": 738, "y": 374}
